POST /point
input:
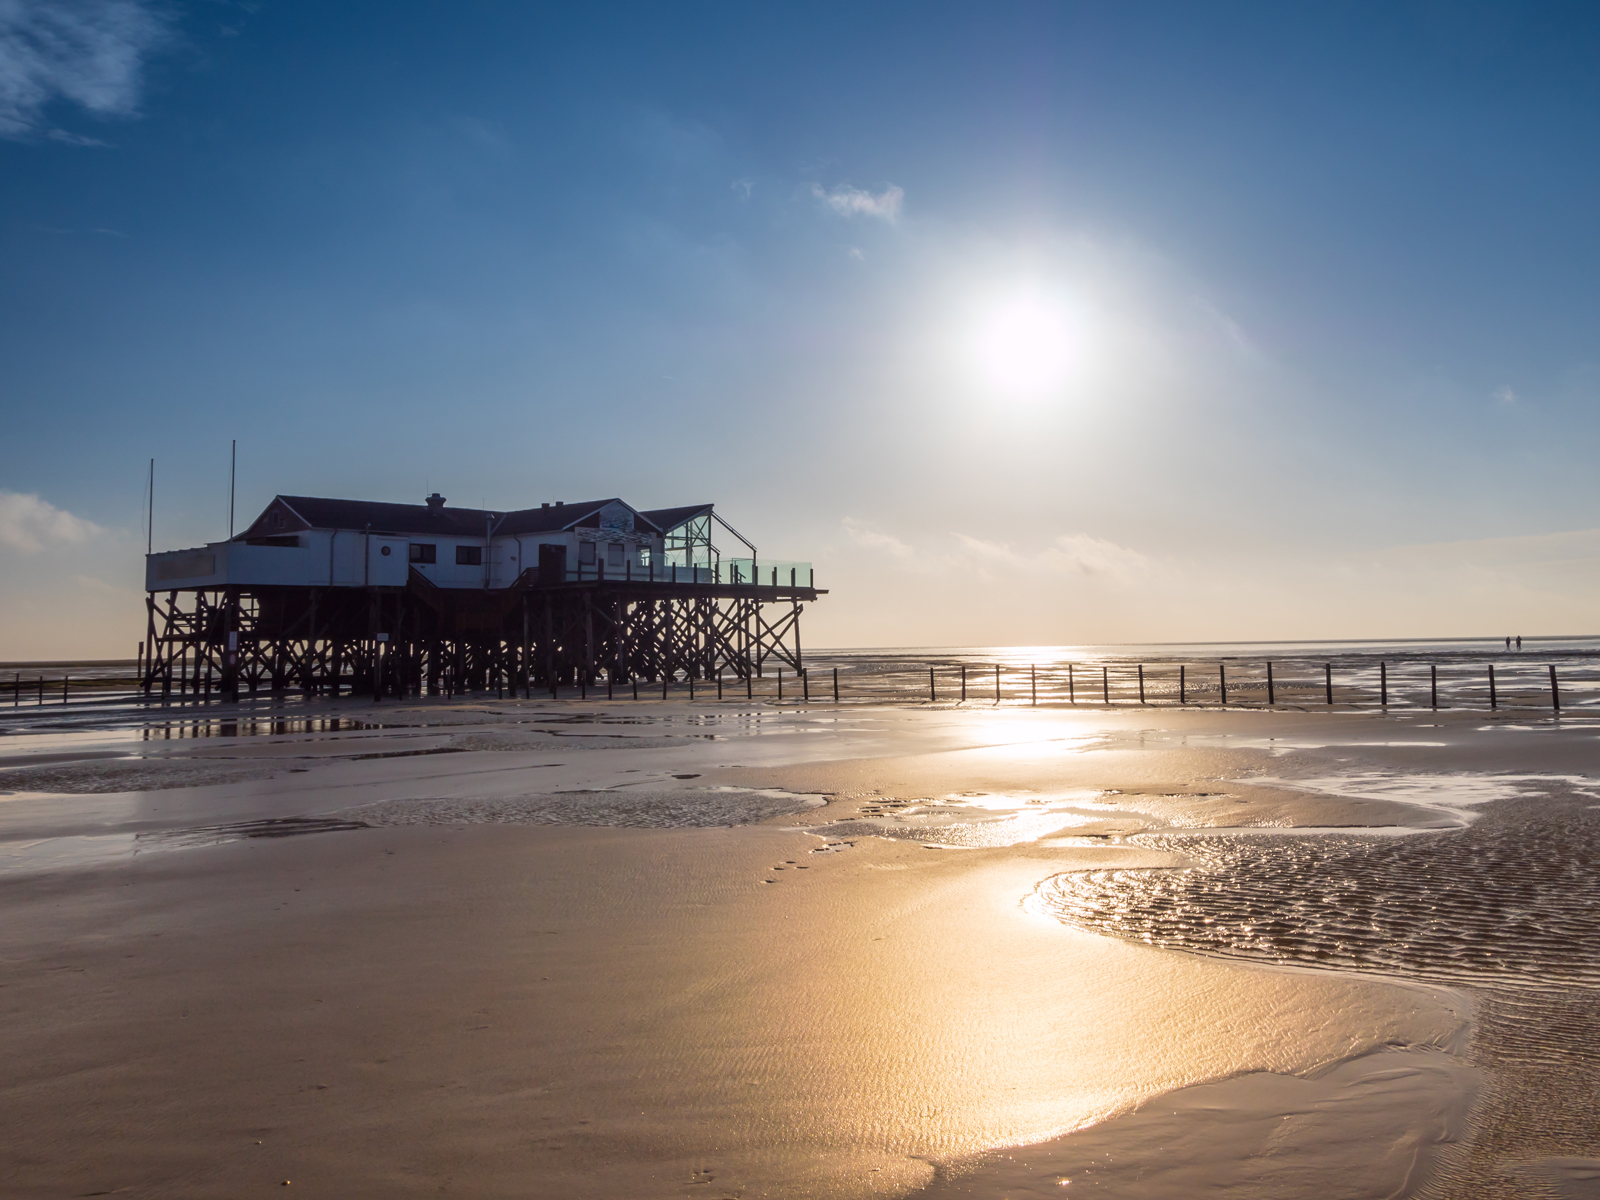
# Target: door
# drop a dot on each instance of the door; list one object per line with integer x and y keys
{"x": 386, "y": 561}
{"x": 552, "y": 564}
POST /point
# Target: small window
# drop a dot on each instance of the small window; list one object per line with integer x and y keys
{"x": 614, "y": 554}
{"x": 586, "y": 554}
{"x": 424, "y": 552}
{"x": 469, "y": 556}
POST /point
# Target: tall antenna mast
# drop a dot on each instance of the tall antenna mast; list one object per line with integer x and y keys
{"x": 233, "y": 471}
{"x": 150, "y": 511}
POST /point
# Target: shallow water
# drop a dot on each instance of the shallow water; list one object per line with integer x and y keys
{"x": 1512, "y": 899}
{"x": 1507, "y": 907}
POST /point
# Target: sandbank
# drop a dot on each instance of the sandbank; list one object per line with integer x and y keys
{"x": 676, "y": 950}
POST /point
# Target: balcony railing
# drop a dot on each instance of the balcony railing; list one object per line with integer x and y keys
{"x": 729, "y": 571}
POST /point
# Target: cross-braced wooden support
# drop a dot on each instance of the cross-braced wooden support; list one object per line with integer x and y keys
{"x": 422, "y": 639}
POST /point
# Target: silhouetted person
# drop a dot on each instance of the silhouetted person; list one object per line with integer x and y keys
{"x": 1519, "y": 641}
{"x": 1508, "y": 643}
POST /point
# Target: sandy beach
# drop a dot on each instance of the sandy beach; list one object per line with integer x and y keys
{"x": 523, "y": 948}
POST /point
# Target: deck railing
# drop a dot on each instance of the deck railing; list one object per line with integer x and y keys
{"x": 729, "y": 571}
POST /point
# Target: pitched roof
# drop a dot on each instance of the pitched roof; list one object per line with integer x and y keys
{"x": 323, "y": 513}
{"x": 670, "y": 518}
{"x": 549, "y": 520}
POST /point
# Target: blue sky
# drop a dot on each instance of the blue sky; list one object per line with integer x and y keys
{"x": 1079, "y": 322}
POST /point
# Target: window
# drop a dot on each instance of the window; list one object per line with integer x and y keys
{"x": 424, "y": 552}
{"x": 614, "y": 554}
{"x": 469, "y": 556}
{"x": 586, "y": 554}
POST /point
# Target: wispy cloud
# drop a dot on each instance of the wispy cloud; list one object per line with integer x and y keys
{"x": 28, "y": 523}
{"x": 1505, "y": 395}
{"x": 864, "y": 535}
{"x": 850, "y": 201}
{"x": 88, "y": 52}
{"x": 1066, "y": 554}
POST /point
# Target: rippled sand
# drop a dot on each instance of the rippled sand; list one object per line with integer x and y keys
{"x": 739, "y": 951}
{"x": 1508, "y": 907}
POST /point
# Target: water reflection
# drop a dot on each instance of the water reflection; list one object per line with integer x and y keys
{"x": 251, "y": 727}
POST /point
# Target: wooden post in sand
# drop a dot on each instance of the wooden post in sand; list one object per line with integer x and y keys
{"x": 963, "y": 683}
{"x": 1272, "y": 697}
{"x": 719, "y": 685}
{"x": 1072, "y": 689}
{"x": 1327, "y": 680}
{"x": 1433, "y": 685}
{"x": 780, "y": 685}
{"x": 933, "y": 696}
{"x": 1383, "y": 684}
{"x": 1222, "y": 683}
{"x": 1183, "y": 685}
{"x": 1141, "y": 683}
{"x": 805, "y": 681}
{"x": 997, "y": 683}
{"x": 66, "y": 680}
{"x": 1033, "y": 683}
{"x": 666, "y": 678}
{"x": 1555, "y": 690}
{"x": 1105, "y": 685}
{"x": 836, "y": 685}
{"x": 748, "y": 693}
{"x": 1494, "y": 700}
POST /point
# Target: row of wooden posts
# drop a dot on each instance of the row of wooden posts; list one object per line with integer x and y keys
{"x": 16, "y": 690}
{"x": 1033, "y": 686}
{"x": 1072, "y": 689}
{"x": 1072, "y": 693}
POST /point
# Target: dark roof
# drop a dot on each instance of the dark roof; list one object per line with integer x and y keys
{"x": 322, "y": 513}
{"x": 670, "y": 518}
{"x": 548, "y": 520}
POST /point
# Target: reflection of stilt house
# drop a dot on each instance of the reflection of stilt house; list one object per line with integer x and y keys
{"x": 329, "y": 595}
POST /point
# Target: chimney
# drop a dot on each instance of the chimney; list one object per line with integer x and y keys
{"x": 561, "y": 503}
{"x": 546, "y": 504}
{"x": 436, "y": 502}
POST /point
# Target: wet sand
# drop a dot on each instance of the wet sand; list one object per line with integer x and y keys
{"x": 702, "y": 950}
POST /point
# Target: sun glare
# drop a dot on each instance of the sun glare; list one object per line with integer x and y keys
{"x": 1024, "y": 347}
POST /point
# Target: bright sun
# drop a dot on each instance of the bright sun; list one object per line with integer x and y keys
{"x": 1023, "y": 347}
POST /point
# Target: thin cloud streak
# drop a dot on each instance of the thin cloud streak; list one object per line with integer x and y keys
{"x": 865, "y": 536}
{"x": 91, "y": 53}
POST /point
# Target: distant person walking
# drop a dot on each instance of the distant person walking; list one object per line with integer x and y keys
{"x": 1508, "y": 643}
{"x": 1519, "y": 641}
